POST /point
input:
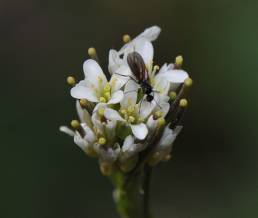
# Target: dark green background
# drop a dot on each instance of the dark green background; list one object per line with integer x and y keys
{"x": 213, "y": 172}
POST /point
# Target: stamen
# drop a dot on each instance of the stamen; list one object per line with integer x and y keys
{"x": 123, "y": 112}
{"x": 155, "y": 68}
{"x": 126, "y": 38}
{"x": 161, "y": 121}
{"x": 183, "y": 103}
{"x": 179, "y": 61}
{"x": 84, "y": 103}
{"x": 102, "y": 100}
{"x": 101, "y": 111}
{"x": 158, "y": 114}
{"x": 131, "y": 119}
{"x": 71, "y": 80}
{"x": 130, "y": 109}
{"x": 107, "y": 88}
{"x": 93, "y": 54}
{"x": 172, "y": 95}
{"x": 188, "y": 82}
{"x": 75, "y": 124}
{"x": 102, "y": 141}
{"x": 107, "y": 95}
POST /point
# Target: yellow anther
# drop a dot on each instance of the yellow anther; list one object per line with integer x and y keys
{"x": 102, "y": 141}
{"x": 75, "y": 124}
{"x": 131, "y": 119}
{"x": 130, "y": 109}
{"x": 183, "y": 103}
{"x": 161, "y": 121}
{"x": 102, "y": 100}
{"x": 126, "y": 38}
{"x": 123, "y": 111}
{"x": 179, "y": 61}
{"x": 107, "y": 95}
{"x": 188, "y": 82}
{"x": 172, "y": 95}
{"x": 158, "y": 114}
{"x": 71, "y": 80}
{"x": 107, "y": 88}
{"x": 83, "y": 102}
{"x": 92, "y": 52}
{"x": 101, "y": 111}
{"x": 156, "y": 67}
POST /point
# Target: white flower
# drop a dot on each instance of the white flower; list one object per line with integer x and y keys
{"x": 95, "y": 87}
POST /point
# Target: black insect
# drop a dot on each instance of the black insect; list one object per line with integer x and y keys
{"x": 137, "y": 66}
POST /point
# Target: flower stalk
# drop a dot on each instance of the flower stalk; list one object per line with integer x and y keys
{"x": 129, "y": 119}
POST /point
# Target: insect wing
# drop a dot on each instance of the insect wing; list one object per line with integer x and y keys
{"x": 137, "y": 66}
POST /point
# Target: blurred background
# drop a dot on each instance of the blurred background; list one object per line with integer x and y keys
{"x": 213, "y": 172}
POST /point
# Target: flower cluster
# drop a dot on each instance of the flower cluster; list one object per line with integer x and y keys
{"x": 117, "y": 123}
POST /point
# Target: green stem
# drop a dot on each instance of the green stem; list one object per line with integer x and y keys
{"x": 132, "y": 196}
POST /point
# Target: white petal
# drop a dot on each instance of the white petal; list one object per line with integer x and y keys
{"x": 140, "y": 131}
{"x": 168, "y": 137}
{"x": 151, "y": 124}
{"x": 110, "y": 130}
{"x": 145, "y": 107}
{"x": 130, "y": 94}
{"x": 97, "y": 123}
{"x": 150, "y": 33}
{"x": 107, "y": 154}
{"x": 89, "y": 134}
{"x": 66, "y": 130}
{"x": 116, "y": 97}
{"x": 78, "y": 140}
{"x": 117, "y": 82}
{"x": 128, "y": 142}
{"x": 165, "y": 68}
{"x": 83, "y": 114}
{"x": 94, "y": 73}
{"x": 111, "y": 114}
{"x": 175, "y": 76}
{"x": 145, "y": 49}
{"x": 82, "y": 92}
{"x": 164, "y": 107}
{"x": 115, "y": 62}
{"x": 162, "y": 85}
